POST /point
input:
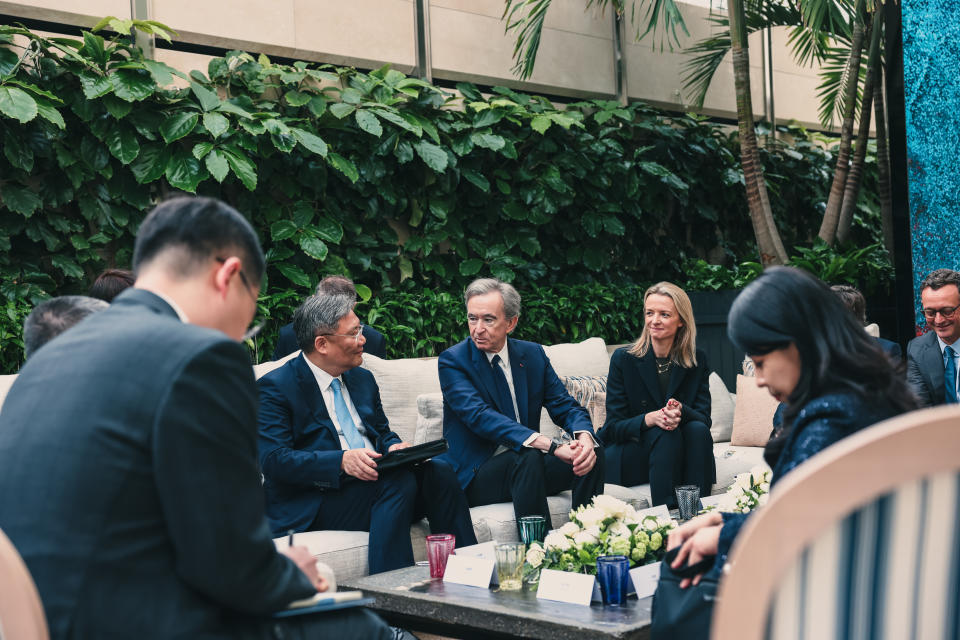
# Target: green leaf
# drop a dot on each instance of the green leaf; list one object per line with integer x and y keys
{"x": 93, "y": 47}
{"x": 184, "y": 171}
{"x": 122, "y": 143}
{"x": 242, "y": 168}
{"x": 161, "y": 73}
{"x": 432, "y": 155}
{"x": 351, "y": 96}
{"x": 20, "y": 199}
{"x": 70, "y": 268}
{"x": 317, "y": 106}
{"x": 118, "y": 108}
{"x": 341, "y": 109}
{"x": 369, "y": 123}
{"x": 151, "y": 163}
{"x": 217, "y": 124}
{"x": 328, "y": 229}
{"x": 217, "y": 165}
{"x": 50, "y": 113}
{"x": 488, "y": 141}
{"x": 363, "y": 292}
{"x": 297, "y": 98}
{"x": 132, "y": 85}
{"x": 313, "y": 247}
{"x": 93, "y": 85}
{"x": 209, "y": 100}
{"x": 529, "y": 245}
{"x": 476, "y": 179}
{"x": 201, "y": 149}
{"x": 310, "y": 142}
{"x": 17, "y": 103}
{"x": 17, "y": 151}
{"x": 540, "y": 124}
{"x": 8, "y": 61}
{"x": 178, "y": 125}
{"x": 344, "y": 166}
{"x": 471, "y": 267}
{"x": 228, "y": 107}
{"x": 295, "y": 274}
{"x": 283, "y": 229}
{"x": 395, "y": 118}
{"x": 93, "y": 153}
{"x": 79, "y": 242}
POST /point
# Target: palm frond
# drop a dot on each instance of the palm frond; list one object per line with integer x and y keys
{"x": 527, "y": 16}
{"x": 833, "y": 77}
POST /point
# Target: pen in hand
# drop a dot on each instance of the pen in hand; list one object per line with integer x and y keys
{"x": 290, "y": 538}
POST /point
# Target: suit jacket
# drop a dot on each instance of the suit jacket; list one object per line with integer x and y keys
{"x": 925, "y": 369}
{"x": 129, "y": 479}
{"x": 300, "y": 451}
{"x": 474, "y": 425}
{"x": 633, "y": 391}
{"x": 892, "y": 349}
{"x": 287, "y": 342}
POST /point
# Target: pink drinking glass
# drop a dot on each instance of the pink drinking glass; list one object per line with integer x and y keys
{"x": 439, "y": 548}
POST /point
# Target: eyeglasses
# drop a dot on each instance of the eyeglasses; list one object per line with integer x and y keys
{"x": 353, "y": 334}
{"x": 255, "y": 329}
{"x": 488, "y": 321}
{"x": 946, "y": 312}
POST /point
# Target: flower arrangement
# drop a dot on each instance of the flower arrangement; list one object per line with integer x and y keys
{"x": 607, "y": 526}
{"x": 748, "y": 491}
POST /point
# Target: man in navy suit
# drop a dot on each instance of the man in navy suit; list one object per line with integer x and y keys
{"x": 932, "y": 359}
{"x": 287, "y": 343}
{"x": 493, "y": 391}
{"x": 322, "y": 428}
{"x": 854, "y": 300}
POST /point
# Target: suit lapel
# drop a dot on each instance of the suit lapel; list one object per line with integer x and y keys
{"x": 647, "y": 365}
{"x": 485, "y": 373}
{"x": 518, "y": 369}
{"x": 677, "y": 376}
{"x": 933, "y": 359}
{"x": 310, "y": 392}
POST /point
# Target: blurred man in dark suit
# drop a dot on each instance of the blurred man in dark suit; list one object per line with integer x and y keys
{"x": 375, "y": 345}
{"x": 52, "y": 317}
{"x": 852, "y": 299}
{"x": 128, "y": 472}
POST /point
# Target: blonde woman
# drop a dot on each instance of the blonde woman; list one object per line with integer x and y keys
{"x": 658, "y": 403}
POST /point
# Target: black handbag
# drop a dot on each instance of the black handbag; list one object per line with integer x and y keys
{"x": 682, "y": 613}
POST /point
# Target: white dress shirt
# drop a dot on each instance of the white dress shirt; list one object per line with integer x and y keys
{"x": 323, "y": 381}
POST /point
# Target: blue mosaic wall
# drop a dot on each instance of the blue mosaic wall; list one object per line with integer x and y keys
{"x": 931, "y": 73}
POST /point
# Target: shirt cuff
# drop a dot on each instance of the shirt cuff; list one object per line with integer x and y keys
{"x": 577, "y": 436}
{"x": 529, "y": 441}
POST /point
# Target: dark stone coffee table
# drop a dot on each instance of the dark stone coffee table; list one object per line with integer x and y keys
{"x": 409, "y": 599}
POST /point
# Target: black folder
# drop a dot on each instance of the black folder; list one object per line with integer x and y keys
{"x": 411, "y": 455}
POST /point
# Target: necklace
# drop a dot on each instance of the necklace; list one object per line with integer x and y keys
{"x": 663, "y": 368}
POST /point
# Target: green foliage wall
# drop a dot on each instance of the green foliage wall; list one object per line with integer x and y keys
{"x": 376, "y": 175}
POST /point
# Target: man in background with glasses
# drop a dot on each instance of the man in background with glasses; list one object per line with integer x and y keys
{"x": 932, "y": 359}
{"x": 322, "y": 429}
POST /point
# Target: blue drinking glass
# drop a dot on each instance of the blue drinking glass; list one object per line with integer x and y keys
{"x": 613, "y": 573}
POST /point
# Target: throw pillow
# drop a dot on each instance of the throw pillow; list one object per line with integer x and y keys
{"x": 721, "y": 410}
{"x": 401, "y": 382}
{"x": 587, "y": 358}
{"x": 429, "y": 418}
{"x": 753, "y": 417}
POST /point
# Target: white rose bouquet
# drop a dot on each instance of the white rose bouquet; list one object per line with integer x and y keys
{"x": 748, "y": 491}
{"x": 607, "y": 526}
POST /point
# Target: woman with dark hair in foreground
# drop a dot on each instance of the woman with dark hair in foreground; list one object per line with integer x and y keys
{"x": 812, "y": 354}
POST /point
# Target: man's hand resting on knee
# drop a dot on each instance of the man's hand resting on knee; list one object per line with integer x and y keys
{"x": 360, "y": 464}
{"x": 305, "y": 561}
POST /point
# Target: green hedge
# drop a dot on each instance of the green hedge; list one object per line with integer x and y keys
{"x": 376, "y": 175}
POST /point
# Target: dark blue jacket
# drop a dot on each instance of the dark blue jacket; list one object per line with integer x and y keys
{"x": 474, "y": 425}
{"x": 300, "y": 451}
{"x": 375, "y": 345}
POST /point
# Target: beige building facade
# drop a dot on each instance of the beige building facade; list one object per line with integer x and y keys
{"x": 462, "y": 40}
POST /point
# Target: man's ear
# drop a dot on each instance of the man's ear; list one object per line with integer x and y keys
{"x": 512, "y": 323}
{"x": 226, "y": 270}
{"x": 320, "y": 344}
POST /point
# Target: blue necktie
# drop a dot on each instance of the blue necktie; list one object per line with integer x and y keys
{"x": 350, "y": 433}
{"x": 504, "y": 399}
{"x": 950, "y": 375}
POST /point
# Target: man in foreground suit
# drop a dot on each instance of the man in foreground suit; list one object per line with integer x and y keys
{"x": 932, "y": 358}
{"x": 287, "y": 343}
{"x": 128, "y": 471}
{"x": 488, "y": 381}
{"x": 322, "y": 429}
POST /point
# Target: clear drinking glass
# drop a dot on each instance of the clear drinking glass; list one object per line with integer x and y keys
{"x": 688, "y": 500}
{"x": 510, "y": 556}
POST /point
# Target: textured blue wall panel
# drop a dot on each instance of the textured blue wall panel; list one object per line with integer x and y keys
{"x": 931, "y": 74}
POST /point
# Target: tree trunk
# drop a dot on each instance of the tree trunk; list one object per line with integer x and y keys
{"x": 883, "y": 161}
{"x": 828, "y": 229}
{"x": 768, "y": 238}
{"x": 851, "y": 193}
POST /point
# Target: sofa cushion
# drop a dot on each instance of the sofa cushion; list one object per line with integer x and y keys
{"x": 721, "y": 410}
{"x": 401, "y": 382}
{"x": 587, "y": 358}
{"x": 429, "y": 417}
{"x": 262, "y": 369}
{"x": 5, "y": 383}
{"x": 753, "y": 417}
{"x": 733, "y": 460}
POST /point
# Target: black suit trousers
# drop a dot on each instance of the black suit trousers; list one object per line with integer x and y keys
{"x": 527, "y": 477}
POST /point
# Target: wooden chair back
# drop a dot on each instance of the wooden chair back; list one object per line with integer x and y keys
{"x": 21, "y": 612}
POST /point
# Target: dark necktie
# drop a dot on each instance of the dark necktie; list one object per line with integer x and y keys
{"x": 504, "y": 399}
{"x": 950, "y": 375}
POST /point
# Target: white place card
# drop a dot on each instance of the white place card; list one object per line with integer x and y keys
{"x": 712, "y": 501}
{"x": 469, "y": 571}
{"x": 563, "y": 586}
{"x": 645, "y": 579}
{"x": 660, "y": 511}
{"x": 484, "y": 550}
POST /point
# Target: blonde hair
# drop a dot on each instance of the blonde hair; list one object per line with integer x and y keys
{"x": 684, "y": 349}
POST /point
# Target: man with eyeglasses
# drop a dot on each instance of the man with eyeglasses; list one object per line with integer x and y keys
{"x": 322, "y": 429}
{"x": 128, "y": 463}
{"x": 932, "y": 359}
{"x": 494, "y": 388}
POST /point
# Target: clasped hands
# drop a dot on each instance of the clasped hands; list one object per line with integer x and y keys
{"x": 579, "y": 453}
{"x": 360, "y": 463}
{"x": 667, "y": 418}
